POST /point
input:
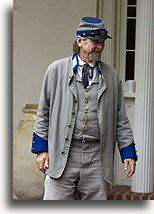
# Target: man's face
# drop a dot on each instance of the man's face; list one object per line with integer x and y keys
{"x": 91, "y": 49}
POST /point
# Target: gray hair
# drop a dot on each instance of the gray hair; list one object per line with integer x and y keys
{"x": 76, "y": 48}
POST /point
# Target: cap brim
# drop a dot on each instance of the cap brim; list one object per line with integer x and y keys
{"x": 99, "y": 37}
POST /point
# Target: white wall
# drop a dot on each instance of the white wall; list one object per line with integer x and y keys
{"x": 43, "y": 30}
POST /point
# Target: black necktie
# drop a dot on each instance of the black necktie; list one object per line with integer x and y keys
{"x": 87, "y": 72}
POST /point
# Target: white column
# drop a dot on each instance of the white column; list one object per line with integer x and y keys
{"x": 142, "y": 181}
{"x": 107, "y": 12}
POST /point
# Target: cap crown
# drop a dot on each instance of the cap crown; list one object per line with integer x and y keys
{"x": 90, "y": 23}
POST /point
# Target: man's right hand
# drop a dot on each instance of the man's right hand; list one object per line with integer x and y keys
{"x": 42, "y": 160}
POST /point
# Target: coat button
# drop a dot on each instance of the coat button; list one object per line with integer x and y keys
{"x": 86, "y": 111}
{"x": 75, "y": 100}
{"x": 66, "y": 138}
{"x": 69, "y": 125}
{"x": 87, "y": 90}
{"x": 73, "y": 112}
{"x": 62, "y": 152}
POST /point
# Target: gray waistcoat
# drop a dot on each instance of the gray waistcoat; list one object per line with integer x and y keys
{"x": 87, "y": 127}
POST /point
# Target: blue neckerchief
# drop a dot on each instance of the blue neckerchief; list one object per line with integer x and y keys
{"x": 98, "y": 66}
{"x": 75, "y": 62}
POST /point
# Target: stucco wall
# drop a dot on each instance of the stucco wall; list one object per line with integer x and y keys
{"x": 43, "y": 31}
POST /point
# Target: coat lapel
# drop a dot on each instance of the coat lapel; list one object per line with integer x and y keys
{"x": 102, "y": 81}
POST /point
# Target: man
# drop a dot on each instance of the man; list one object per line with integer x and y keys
{"x": 80, "y": 117}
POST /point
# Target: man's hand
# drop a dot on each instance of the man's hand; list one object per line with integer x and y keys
{"x": 42, "y": 160}
{"x": 129, "y": 162}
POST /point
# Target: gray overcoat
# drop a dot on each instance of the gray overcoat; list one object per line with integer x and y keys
{"x": 57, "y": 112}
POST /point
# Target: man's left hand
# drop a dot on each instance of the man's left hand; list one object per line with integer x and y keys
{"x": 129, "y": 162}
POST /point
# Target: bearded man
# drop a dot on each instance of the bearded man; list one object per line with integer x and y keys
{"x": 80, "y": 118}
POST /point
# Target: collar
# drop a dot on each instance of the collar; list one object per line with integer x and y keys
{"x": 77, "y": 61}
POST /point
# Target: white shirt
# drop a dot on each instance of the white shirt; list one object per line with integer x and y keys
{"x": 79, "y": 70}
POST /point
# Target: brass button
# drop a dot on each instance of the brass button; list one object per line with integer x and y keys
{"x": 33, "y": 148}
{"x": 75, "y": 100}
{"x": 66, "y": 138}
{"x": 73, "y": 112}
{"x": 69, "y": 125}
{"x": 85, "y": 122}
{"x": 62, "y": 152}
{"x": 86, "y": 101}
{"x": 87, "y": 90}
{"x": 86, "y": 111}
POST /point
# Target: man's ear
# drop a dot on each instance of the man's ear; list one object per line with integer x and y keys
{"x": 79, "y": 41}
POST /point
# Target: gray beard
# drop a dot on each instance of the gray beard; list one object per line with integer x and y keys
{"x": 94, "y": 58}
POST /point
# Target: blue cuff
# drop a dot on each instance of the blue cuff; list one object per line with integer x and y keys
{"x": 39, "y": 144}
{"x": 128, "y": 152}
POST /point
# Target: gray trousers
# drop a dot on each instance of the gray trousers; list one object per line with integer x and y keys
{"x": 82, "y": 178}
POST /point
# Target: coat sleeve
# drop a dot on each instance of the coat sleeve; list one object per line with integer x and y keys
{"x": 40, "y": 135}
{"x": 125, "y": 138}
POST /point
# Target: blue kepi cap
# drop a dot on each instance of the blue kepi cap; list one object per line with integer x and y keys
{"x": 92, "y": 28}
